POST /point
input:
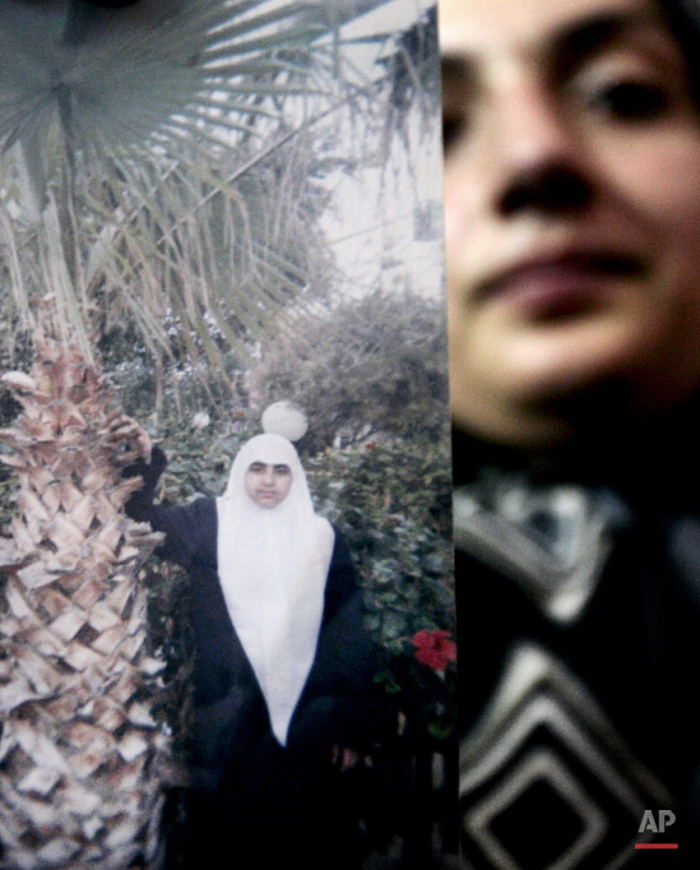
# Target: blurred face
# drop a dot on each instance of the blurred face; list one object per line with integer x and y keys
{"x": 268, "y": 485}
{"x": 572, "y": 203}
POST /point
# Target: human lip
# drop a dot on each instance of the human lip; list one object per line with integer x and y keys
{"x": 560, "y": 283}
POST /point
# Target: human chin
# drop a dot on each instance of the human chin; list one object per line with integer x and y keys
{"x": 540, "y": 363}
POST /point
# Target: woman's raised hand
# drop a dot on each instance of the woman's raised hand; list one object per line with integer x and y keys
{"x": 129, "y": 440}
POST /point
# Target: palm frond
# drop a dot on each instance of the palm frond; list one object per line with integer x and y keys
{"x": 126, "y": 134}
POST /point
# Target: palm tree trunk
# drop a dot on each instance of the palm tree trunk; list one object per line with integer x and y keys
{"x": 83, "y": 759}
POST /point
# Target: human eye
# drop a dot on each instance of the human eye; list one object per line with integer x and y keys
{"x": 457, "y": 99}
{"x": 453, "y": 126}
{"x": 283, "y": 470}
{"x": 256, "y": 467}
{"x": 625, "y": 88}
{"x": 454, "y": 118}
{"x": 632, "y": 101}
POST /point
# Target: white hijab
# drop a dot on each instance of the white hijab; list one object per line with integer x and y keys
{"x": 273, "y": 566}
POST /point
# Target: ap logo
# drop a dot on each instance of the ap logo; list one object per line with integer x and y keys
{"x": 656, "y": 823}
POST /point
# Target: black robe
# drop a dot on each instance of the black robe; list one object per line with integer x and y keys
{"x": 279, "y": 800}
{"x": 621, "y": 673}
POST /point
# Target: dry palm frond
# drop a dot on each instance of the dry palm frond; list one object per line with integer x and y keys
{"x": 83, "y": 758}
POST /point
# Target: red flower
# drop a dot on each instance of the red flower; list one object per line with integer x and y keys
{"x": 435, "y": 649}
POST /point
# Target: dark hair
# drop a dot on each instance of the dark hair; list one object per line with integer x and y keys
{"x": 683, "y": 18}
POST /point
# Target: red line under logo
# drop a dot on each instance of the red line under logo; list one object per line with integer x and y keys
{"x": 656, "y": 845}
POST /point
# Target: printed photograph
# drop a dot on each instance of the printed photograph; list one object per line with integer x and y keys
{"x": 227, "y": 630}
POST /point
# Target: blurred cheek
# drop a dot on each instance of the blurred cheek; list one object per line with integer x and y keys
{"x": 658, "y": 178}
{"x": 664, "y": 184}
{"x": 457, "y": 318}
{"x": 451, "y": 217}
{"x": 284, "y": 484}
{"x": 461, "y": 198}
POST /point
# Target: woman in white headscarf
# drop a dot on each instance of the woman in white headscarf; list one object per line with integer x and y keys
{"x": 273, "y": 556}
{"x": 283, "y": 665}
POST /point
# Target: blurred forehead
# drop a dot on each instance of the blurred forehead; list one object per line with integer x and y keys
{"x": 475, "y": 27}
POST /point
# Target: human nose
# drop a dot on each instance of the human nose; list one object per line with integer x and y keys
{"x": 268, "y": 477}
{"x": 538, "y": 159}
